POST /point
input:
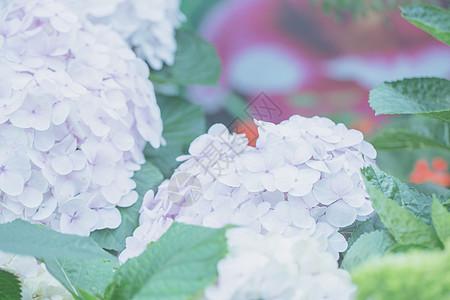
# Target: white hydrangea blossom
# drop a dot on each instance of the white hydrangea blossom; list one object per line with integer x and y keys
{"x": 76, "y": 109}
{"x": 147, "y": 25}
{"x": 37, "y": 283}
{"x": 302, "y": 176}
{"x": 276, "y": 267}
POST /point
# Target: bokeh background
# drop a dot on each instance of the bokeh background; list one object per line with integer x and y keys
{"x": 286, "y": 57}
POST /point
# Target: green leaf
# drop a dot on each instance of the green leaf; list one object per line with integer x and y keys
{"x": 361, "y": 8}
{"x": 372, "y": 244}
{"x": 10, "y": 286}
{"x": 367, "y": 226}
{"x": 414, "y": 133}
{"x": 21, "y": 237}
{"x": 441, "y": 220}
{"x": 401, "y": 223}
{"x": 83, "y": 278}
{"x": 432, "y": 19}
{"x": 196, "y": 62}
{"x": 405, "y": 196}
{"x": 423, "y": 275}
{"x": 148, "y": 177}
{"x": 426, "y": 96}
{"x": 183, "y": 122}
{"x": 178, "y": 266}
{"x": 429, "y": 189}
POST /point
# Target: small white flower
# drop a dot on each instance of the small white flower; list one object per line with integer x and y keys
{"x": 77, "y": 217}
{"x": 14, "y": 171}
{"x": 261, "y": 169}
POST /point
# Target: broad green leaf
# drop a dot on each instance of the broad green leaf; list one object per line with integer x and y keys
{"x": 10, "y": 286}
{"x": 425, "y": 96}
{"x": 406, "y": 228}
{"x": 178, "y": 266}
{"x": 148, "y": 177}
{"x": 83, "y": 278}
{"x": 423, "y": 275}
{"x": 372, "y": 244}
{"x": 432, "y": 19}
{"x": 429, "y": 189}
{"x": 196, "y": 62}
{"x": 405, "y": 196}
{"x": 441, "y": 220}
{"x": 415, "y": 133}
{"x": 183, "y": 122}
{"x": 367, "y": 226}
{"x": 21, "y": 237}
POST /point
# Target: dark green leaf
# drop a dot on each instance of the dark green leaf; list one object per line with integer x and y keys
{"x": 429, "y": 189}
{"x": 405, "y": 196}
{"x": 83, "y": 278}
{"x": 178, "y": 266}
{"x": 183, "y": 122}
{"x": 368, "y": 245}
{"x": 426, "y": 96}
{"x": 434, "y": 20}
{"x": 406, "y": 228}
{"x": 196, "y": 62}
{"x": 441, "y": 220}
{"x": 367, "y": 226}
{"x": 10, "y": 286}
{"x": 148, "y": 177}
{"x": 21, "y": 237}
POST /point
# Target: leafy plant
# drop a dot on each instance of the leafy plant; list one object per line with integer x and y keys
{"x": 10, "y": 287}
{"x": 183, "y": 122}
{"x": 407, "y": 218}
{"x": 414, "y": 222}
{"x": 434, "y": 20}
{"x": 178, "y": 266}
{"x": 196, "y": 62}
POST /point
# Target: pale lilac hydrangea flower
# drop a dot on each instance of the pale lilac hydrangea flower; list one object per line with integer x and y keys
{"x": 276, "y": 267}
{"x": 37, "y": 283}
{"x": 147, "y": 25}
{"x": 303, "y": 176}
{"x": 76, "y": 110}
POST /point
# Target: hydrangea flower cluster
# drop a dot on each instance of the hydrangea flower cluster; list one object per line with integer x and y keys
{"x": 37, "y": 283}
{"x": 277, "y": 267}
{"x": 147, "y": 25}
{"x": 302, "y": 176}
{"x": 76, "y": 109}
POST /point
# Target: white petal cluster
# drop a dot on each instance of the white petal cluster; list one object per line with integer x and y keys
{"x": 147, "y": 25}
{"x": 37, "y": 283}
{"x": 302, "y": 176}
{"x": 76, "y": 109}
{"x": 276, "y": 267}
